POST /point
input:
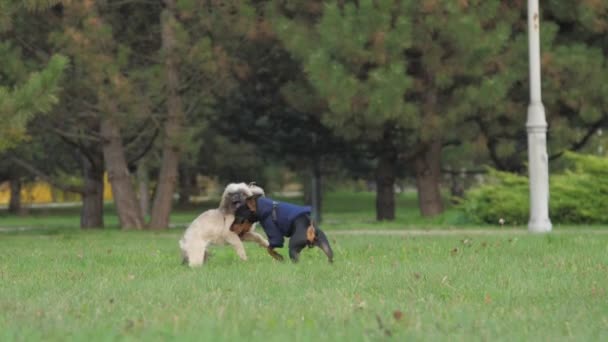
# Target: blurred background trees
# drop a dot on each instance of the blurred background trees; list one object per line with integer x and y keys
{"x": 169, "y": 97}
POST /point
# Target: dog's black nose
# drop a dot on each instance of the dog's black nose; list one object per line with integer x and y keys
{"x": 235, "y": 198}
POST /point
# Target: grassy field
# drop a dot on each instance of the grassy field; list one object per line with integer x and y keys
{"x": 59, "y": 283}
{"x": 108, "y": 285}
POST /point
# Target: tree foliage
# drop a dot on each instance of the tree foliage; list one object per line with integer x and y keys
{"x": 407, "y": 87}
{"x": 29, "y": 85}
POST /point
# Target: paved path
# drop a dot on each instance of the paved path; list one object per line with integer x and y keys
{"x": 450, "y": 232}
{"x": 16, "y": 229}
{"x": 410, "y": 232}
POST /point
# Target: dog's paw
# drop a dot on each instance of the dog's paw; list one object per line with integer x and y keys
{"x": 274, "y": 254}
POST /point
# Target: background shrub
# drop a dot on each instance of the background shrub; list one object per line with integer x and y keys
{"x": 577, "y": 195}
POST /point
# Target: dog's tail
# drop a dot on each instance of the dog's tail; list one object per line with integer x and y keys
{"x": 322, "y": 242}
{"x": 316, "y": 237}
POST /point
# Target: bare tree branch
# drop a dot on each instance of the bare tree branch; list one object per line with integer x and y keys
{"x": 577, "y": 145}
{"x": 38, "y": 173}
{"x": 146, "y": 148}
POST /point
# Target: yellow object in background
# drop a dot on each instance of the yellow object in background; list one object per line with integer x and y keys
{"x": 39, "y": 192}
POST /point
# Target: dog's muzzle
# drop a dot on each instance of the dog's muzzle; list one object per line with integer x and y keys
{"x": 244, "y": 214}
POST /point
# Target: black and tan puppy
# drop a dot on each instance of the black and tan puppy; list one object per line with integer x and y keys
{"x": 244, "y": 219}
{"x": 282, "y": 219}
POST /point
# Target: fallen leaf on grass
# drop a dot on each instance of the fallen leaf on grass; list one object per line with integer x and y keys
{"x": 597, "y": 292}
{"x": 359, "y": 303}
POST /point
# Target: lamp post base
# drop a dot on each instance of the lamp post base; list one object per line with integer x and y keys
{"x": 540, "y": 225}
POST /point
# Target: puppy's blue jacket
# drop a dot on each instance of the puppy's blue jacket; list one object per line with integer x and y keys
{"x": 277, "y": 217}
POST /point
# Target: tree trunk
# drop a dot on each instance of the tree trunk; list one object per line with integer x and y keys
{"x": 457, "y": 185}
{"x": 385, "y": 183}
{"x": 187, "y": 185}
{"x": 316, "y": 195}
{"x": 14, "y": 205}
{"x": 143, "y": 181}
{"x": 125, "y": 200}
{"x": 428, "y": 176}
{"x": 167, "y": 179}
{"x": 91, "y": 215}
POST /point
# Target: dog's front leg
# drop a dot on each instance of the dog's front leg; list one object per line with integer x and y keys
{"x": 255, "y": 237}
{"x": 274, "y": 254}
{"x": 236, "y": 242}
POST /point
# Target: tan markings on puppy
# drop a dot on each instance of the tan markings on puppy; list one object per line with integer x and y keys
{"x": 252, "y": 204}
{"x": 311, "y": 234}
{"x": 274, "y": 254}
{"x": 241, "y": 228}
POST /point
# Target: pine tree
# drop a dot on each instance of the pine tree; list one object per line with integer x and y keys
{"x": 28, "y": 86}
{"x": 36, "y": 95}
{"x": 575, "y": 70}
{"x": 401, "y": 75}
{"x": 104, "y": 94}
{"x": 573, "y": 49}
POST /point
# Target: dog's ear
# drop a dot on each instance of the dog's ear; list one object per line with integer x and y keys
{"x": 256, "y": 190}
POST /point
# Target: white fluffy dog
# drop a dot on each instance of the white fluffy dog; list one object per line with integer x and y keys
{"x": 212, "y": 227}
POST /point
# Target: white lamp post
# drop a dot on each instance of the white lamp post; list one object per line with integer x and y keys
{"x": 538, "y": 162}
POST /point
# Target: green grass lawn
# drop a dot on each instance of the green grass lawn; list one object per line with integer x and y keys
{"x": 67, "y": 284}
{"x": 58, "y": 282}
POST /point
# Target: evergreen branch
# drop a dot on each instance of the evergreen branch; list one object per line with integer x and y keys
{"x": 408, "y": 157}
{"x": 37, "y": 95}
{"x": 37, "y": 52}
{"x": 78, "y": 145}
{"x": 452, "y": 142}
{"x": 131, "y": 140}
{"x": 491, "y": 144}
{"x": 132, "y": 161}
{"x": 465, "y": 171}
{"x": 40, "y": 174}
{"x": 577, "y": 145}
{"x": 92, "y": 136}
